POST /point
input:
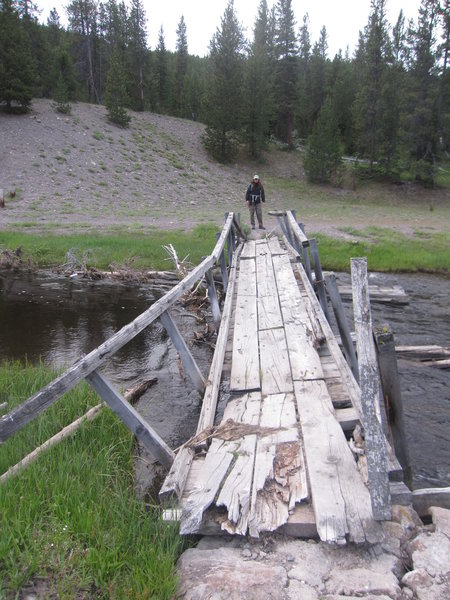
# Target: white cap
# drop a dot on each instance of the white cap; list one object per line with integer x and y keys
{"x": 255, "y": 176}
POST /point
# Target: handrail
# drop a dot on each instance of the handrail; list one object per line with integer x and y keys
{"x": 19, "y": 416}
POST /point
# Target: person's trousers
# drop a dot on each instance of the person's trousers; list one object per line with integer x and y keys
{"x": 256, "y": 208}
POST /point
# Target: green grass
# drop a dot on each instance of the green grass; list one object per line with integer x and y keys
{"x": 71, "y": 519}
{"x": 387, "y": 251}
{"x": 145, "y": 249}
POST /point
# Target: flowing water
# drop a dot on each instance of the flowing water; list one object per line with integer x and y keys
{"x": 57, "y": 319}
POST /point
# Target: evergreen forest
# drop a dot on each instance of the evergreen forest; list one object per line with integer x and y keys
{"x": 387, "y": 105}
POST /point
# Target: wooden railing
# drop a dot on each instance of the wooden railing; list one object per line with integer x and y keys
{"x": 87, "y": 366}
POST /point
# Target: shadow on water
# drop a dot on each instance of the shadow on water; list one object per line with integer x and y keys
{"x": 58, "y": 319}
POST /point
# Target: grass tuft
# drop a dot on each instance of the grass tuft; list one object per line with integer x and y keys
{"x": 71, "y": 520}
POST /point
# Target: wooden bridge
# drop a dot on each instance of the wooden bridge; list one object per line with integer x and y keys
{"x": 300, "y": 446}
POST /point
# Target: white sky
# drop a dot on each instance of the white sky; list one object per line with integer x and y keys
{"x": 343, "y": 19}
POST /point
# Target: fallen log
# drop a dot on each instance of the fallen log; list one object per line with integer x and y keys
{"x": 423, "y": 353}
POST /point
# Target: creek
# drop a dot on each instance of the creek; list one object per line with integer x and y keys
{"x": 57, "y": 319}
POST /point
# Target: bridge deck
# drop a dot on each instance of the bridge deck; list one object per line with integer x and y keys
{"x": 279, "y": 457}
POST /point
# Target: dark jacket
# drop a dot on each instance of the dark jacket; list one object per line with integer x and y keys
{"x": 255, "y": 193}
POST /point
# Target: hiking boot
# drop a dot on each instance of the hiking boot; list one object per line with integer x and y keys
{"x": 261, "y": 227}
{"x": 253, "y": 227}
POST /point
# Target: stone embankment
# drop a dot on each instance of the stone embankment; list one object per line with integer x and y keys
{"x": 412, "y": 562}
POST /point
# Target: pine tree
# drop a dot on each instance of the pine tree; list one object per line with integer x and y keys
{"x": 162, "y": 71}
{"x": 181, "y": 67}
{"x": 137, "y": 52}
{"x": 318, "y": 73}
{"x": 304, "y": 111}
{"x": 17, "y": 69}
{"x": 421, "y": 117}
{"x": 224, "y": 103}
{"x": 372, "y": 61}
{"x": 116, "y": 96}
{"x": 82, "y": 16}
{"x": 286, "y": 74}
{"x": 323, "y": 153}
{"x": 259, "y": 85}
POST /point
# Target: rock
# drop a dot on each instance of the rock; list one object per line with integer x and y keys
{"x": 301, "y": 591}
{"x": 431, "y": 551}
{"x": 221, "y": 573}
{"x": 407, "y": 517}
{"x": 312, "y": 563}
{"x": 441, "y": 520}
{"x": 423, "y": 587}
{"x": 362, "y": 581}
{"x": 416, "y": 579}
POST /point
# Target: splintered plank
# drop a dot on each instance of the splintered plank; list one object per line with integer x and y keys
{"x": 236, "y": 490}
{"x": 245, "y": 358}
{"x": 235, "y": 493}
{"x": 275, "y": 368}
{"x": 279, "y": 479}
{"x": 248, "y": 250}
{"x": 340, "y": 499}
{"x": 247, "y": 277}
{"x": 207, "y": 484}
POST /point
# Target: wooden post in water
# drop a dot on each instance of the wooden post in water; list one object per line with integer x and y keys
{"x": 186, "y": 357}
{"x": 390, "y": 383}
{"x": 132, "y": 419}
{"x": 319, "y": 278}
{"x": 212, "y": 295}
{"x": 370, "y": 394}
{"x": 344, "y": 330}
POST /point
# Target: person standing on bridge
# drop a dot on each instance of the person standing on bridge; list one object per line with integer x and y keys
{"x": 254, "y": 196}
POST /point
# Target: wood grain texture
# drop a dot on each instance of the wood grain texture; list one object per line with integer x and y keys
{"x": 245, "y": 375}
{"x": 340, "y": 499}
{"x": 369, "y": 382}
{"x": 275, "y": 366}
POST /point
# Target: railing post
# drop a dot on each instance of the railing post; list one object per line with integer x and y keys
{"x": 305, "y": 256}
{"x": 282, "y": 226}
{"x": 369, "y": 382}
{"x": 319, "y": 277}
{"x": 344, "y": 330}
{"x": 186, "y": 357}
{"x": 223, "y": 267}
{"x": 212, "y": 295}
{"x": 288, "y": 230}
{"x": 390, "y": 383}
{"x": 132, "y": 419}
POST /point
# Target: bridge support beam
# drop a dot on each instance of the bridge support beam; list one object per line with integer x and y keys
{"x": 186, "y": 357}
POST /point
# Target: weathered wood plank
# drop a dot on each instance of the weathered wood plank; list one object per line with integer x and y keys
{"x": 208, "y": 482}
{"x": 304, "y": 359}
{"x": 275, "y": 367}
{"x": 132, "y": 419}
{"x": 265, "y": 276}
{"x": 423, "y": 353}
{"x": 279, "y": 479}
{"x": 275, "y": 247}
{"x": 340, "y": 499}
{"x": 247, "y": 278}
{"x": 269, "y": 313}
{"x": 370, "y": 393}
{"x": 244, "y": 409}
{"x": 174, "y": 483}
{"x": 425, "y": 498}
{"x": 249, "y": 250}
{"x": 245, "y": 375}
{"x": 209, "y": 405}
{"x": 236, "y": 489}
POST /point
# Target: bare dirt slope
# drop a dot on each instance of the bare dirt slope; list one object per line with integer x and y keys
{"x": 80, "y": 172}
